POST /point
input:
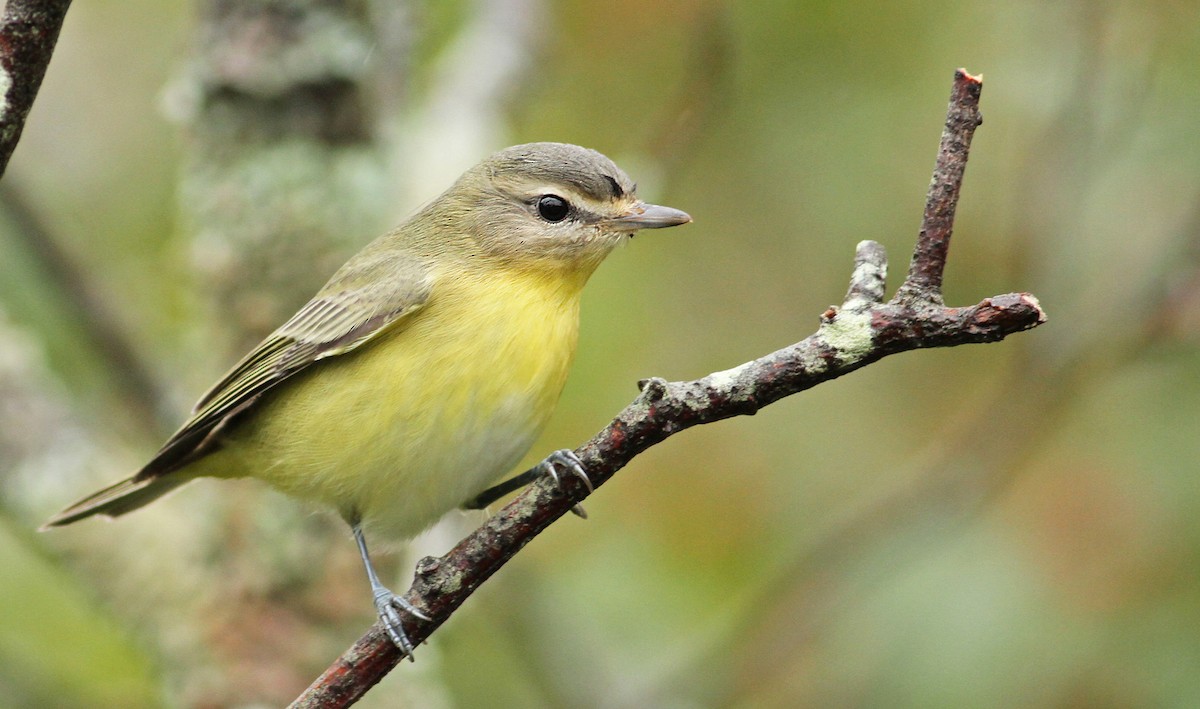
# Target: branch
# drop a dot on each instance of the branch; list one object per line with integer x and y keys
{"x": 924, "y": 282}
{"x": 28, "y": 31}
{"x": 862, "y": 330}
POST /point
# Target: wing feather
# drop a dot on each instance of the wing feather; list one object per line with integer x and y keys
{"x": 369, "y": 295}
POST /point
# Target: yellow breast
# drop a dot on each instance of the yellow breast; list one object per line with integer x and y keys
{"x": 406, "y": 428}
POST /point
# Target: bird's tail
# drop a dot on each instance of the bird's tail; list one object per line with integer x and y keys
{"x": 116, "y": 500}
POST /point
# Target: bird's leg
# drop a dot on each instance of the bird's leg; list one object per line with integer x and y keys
{"x": 565, "y": 458}
{"x": 497, "y": 491}
{"x": 386, "y": 602}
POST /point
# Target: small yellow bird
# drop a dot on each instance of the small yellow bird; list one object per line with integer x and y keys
{"x": 425, "y": 367}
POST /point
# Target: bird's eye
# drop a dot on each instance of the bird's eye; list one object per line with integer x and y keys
{"x": 553, "y": 208}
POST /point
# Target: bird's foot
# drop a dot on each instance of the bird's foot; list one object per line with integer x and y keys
{"x": 570, "y": 462}
{"x": 389, "y": 606}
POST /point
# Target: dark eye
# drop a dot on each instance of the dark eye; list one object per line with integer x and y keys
{"x": 553, "y": 208}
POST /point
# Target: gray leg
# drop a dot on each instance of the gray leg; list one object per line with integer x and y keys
{"x": 386, "y": 602}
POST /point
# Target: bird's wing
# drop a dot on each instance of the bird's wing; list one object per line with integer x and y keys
{"x": 364, "y": 299}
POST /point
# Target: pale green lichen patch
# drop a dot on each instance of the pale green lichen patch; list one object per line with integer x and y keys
{"x": 453, "y": 583}
{"x": 850, "y": 334}
{"x": 863, "y": 271}
{"x": 812, "y": 361}
{"x": 728, "y": 378}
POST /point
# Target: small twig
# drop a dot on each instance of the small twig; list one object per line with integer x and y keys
{"x": 28, "y": 31}
{"x": 929, "y": 258}
{"x": 862, "y": 330}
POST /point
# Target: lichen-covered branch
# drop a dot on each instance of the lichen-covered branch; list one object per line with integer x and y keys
{"x": 28, "y": 32}
{"x": 860, "y": 331}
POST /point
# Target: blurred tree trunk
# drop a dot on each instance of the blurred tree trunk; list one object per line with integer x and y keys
{"x": 285, "y": 175}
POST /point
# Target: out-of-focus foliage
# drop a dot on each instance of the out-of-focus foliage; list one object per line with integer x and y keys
{"x": 56, "y": 649}
{"x": 1014, "y": 524}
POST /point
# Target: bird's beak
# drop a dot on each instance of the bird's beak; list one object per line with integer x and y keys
{"x": 649, "y": 216}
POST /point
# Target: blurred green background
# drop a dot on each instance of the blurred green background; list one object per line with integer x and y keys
{"x": 1015, "y": 524}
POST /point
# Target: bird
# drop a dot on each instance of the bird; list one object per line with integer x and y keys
{"x": 426, "y": 366}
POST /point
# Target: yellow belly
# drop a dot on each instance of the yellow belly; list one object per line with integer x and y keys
{"x": 408, "y": 427}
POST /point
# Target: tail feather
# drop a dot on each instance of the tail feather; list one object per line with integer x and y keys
{"x": 117, "y": 499}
